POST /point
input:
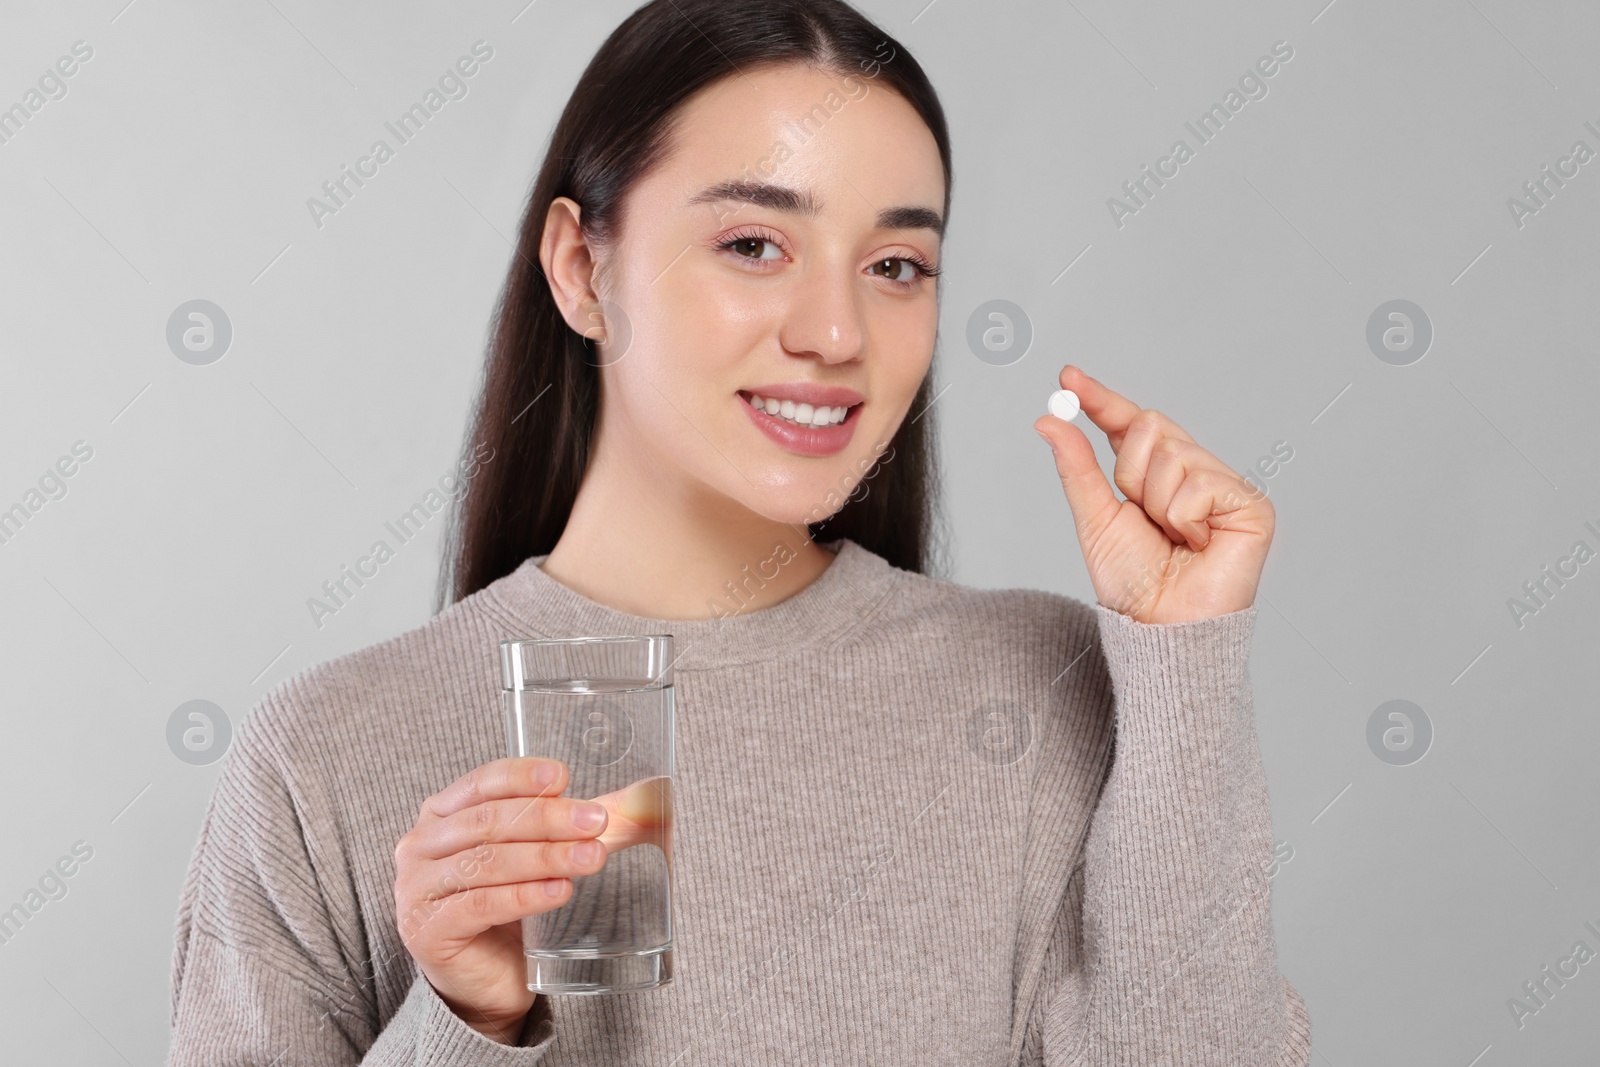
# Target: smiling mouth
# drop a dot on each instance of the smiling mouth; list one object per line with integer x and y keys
{"x": 802, "y": 416}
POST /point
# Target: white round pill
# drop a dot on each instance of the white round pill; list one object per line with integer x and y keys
{"x": 1064, "y": 404}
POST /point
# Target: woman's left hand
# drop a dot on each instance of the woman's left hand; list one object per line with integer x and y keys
{"x": 1191, "y": 538}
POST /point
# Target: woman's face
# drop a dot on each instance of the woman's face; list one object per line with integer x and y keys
{"x": 777, "y": 248}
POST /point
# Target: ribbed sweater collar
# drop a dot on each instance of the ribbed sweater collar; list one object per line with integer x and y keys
{"x": 838, "y": 600}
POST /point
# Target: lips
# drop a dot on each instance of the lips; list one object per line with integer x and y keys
{"x": 804, "y": 415}
{"x": 806, "y": 440}
{"x": 813, "y": 393}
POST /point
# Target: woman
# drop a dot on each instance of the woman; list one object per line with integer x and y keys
{"x": 915, "y": 823}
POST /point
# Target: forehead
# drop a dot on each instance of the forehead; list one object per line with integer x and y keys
{"x": 855, "y": 146}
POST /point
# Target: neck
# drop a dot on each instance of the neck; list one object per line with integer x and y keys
{"x": 649, "y": 546}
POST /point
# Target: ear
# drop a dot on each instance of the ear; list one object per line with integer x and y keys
{"x": 569, "y": 266}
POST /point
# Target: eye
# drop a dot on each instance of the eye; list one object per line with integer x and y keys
{"x": 918, "y": 265}
{"x": 741, "y": 244}
{"x": 754, "y": 246}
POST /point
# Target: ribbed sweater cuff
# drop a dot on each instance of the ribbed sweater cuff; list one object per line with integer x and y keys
{"x": 426, "y": 1031}
{"x": 1165, "y": 665}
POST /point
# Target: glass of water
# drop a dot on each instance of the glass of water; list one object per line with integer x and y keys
{"x": 603, "y": 706}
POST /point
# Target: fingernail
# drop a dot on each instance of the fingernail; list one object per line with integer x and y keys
{"x": 554, "y": 887}
{"x": 588, "y": 816}
{"x": 544, "y": 776}
{"x": 587, "y": 852}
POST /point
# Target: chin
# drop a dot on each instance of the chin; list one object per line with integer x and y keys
{"x": 820, "y": 500}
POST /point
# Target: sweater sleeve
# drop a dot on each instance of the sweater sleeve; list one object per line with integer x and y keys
{"x": 1163, "y": 950}
{"x": 267, "y": 972}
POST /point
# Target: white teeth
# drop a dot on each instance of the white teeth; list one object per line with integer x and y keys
{"x": 799, "y": 414}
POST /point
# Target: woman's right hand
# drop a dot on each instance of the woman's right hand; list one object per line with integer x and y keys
{"x": 497, "y": 844}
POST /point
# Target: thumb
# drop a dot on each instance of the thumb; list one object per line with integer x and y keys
{"x": 638, "y": 814}
{"x": 1089, "y": 494}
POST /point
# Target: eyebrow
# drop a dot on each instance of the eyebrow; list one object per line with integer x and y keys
{"x": 801, "y": 202}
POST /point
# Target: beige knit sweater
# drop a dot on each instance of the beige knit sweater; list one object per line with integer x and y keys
{"x": 916, "y": 824}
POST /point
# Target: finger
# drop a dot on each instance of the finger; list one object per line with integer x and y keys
{"x": 1171, "y": 464}
{"x": 1133, "y": 432}
{"x": 1090, "y": 496}
{"x": 1209, "y": 500}
{"x": 1107, "y": 409}
{"x": 515, "y": 776}
{"x": 503, "y": 863}
{"x": 1144, "y": 432}
{"x": 463, "y": 916}
{"x": 512, "y": 819}
{"x": 1191, "y": 508}
{"x": 640, "y": 814}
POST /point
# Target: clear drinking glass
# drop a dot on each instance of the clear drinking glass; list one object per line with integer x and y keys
{"x": 604, "y": 707}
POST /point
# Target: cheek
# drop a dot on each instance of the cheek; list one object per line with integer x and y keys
{"x": 709, "y": 328}
{"x": 715, "y": 299}
{"x": 670, "y": 293}
{"x": 908, "y": 352}
{"x": 689, "y": 354}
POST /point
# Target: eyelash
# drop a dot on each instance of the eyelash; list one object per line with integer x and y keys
{"x": 926, "y": 269}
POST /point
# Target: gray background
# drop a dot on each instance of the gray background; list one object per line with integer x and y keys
{"x": 1418, "y": 500}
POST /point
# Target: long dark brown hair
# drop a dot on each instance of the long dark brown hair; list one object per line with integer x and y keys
{"x": 539, "y": 396}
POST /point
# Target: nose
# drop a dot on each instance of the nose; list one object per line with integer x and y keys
{"x": 824, "y": 315}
